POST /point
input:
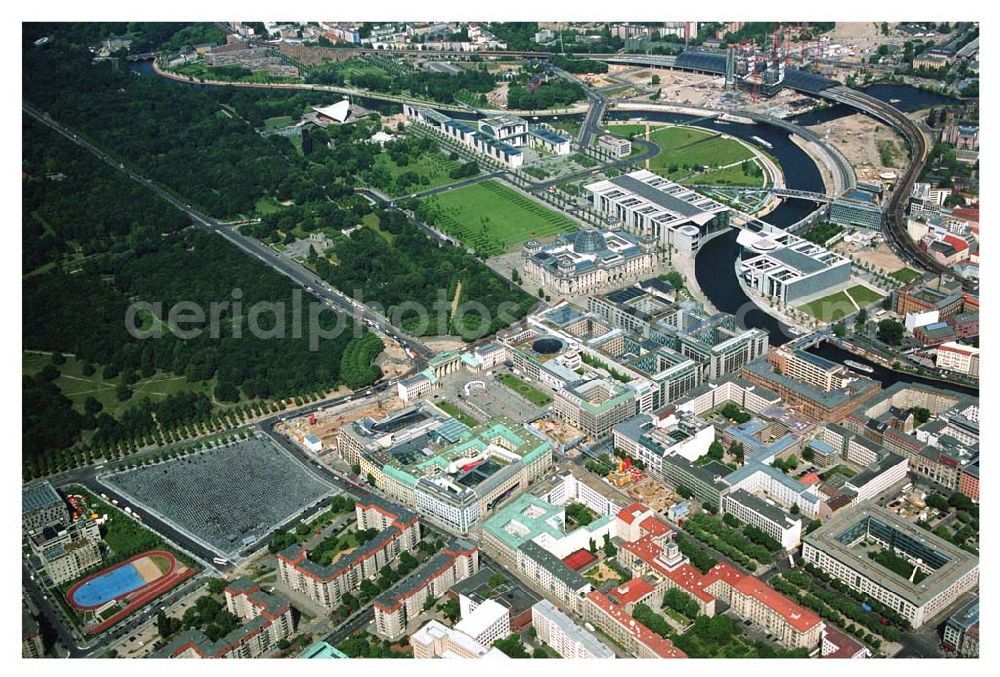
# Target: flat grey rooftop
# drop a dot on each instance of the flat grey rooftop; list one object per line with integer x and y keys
{"x": 828, "y": 539}
{"x": 656, "y": 196}
{"x": 799, "y": 261}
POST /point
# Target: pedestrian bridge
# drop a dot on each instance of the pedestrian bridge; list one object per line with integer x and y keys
{"x": 778, "y": 192}
{"x": 802, "y": 194}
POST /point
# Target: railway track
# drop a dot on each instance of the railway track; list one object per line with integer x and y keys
{"x": 895, "y": 223}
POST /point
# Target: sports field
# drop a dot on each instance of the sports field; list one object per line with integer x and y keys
{"x": 492, "y": 218}
{"x": 123, "y": 579}
{"x": 838, "y": 305}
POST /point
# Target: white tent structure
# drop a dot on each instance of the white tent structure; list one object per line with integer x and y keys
{"x": 337, "y": 112}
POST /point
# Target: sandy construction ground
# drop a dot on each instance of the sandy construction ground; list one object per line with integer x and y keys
{"x": 881, "y": 256}
{"x": 498, "y": 97}
{"x": 443, "y": 343}
{"x": 393, "y": 360}
{"x": 649, "y": 491}
{"x": 858, "y": 137}
{"x": 560, "y": 431}
{"x": 328, "y": 423}
{"x": 689, "y": 88}
{"x": 597, "y": 80}
{"x": 391, "y": 122}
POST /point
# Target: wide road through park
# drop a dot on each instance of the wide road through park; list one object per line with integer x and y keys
{"x": 301, "y": 276}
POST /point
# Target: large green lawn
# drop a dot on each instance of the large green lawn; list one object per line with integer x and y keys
{"x": 829, "y": 308}
{"x": 863, "y": 295}
{"x": 836, "y": 306}
{"x": 432, "y": 165}
{"x": 492, "y": 218}
{"x": 730, "y": 176}
{"x": 691, "y": 146}
{"x": 78, "y": 387}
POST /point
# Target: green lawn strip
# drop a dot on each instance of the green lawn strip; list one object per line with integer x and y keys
{"x": 729, "y": 176}
{"x": 457, "y": 412}
{"x": 372, "y": 221}
{"x": 526, "y": 391}
{"x": 628, "y": 129}
{"x": 568, "y": 126}
{"x": 77, "y": 387}
{"x": 432, "y": 165}
{"x": 863, "y": 295}
{"x": 268, "y": 205}
{"x": 279, "y": 121}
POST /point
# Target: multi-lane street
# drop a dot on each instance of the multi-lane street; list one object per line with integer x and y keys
{"x": 301, "y": 276}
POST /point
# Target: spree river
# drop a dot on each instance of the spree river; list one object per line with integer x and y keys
{"x": 714, "y": 264}
{"x": 887, "y": 377}
{"x": 904, "y": 97}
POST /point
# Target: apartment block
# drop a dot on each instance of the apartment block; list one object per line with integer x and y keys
{"x": 434, "y": 578}
{"x": 399, "y": 530}
{"x": 559, "y": 631}
{"x": 267, "y": 620}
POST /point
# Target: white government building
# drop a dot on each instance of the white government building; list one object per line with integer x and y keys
{"x": 647, "y": 204}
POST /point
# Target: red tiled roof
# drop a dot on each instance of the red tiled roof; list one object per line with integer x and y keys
{"x": 695, "y": 583}
{"x": 795, "y": 615}
{"x": 955, "y": 349}
{"x": 644, "y": 547}
{"x": 847, "y": 647}
{"x": 958, "y": 243}
{"x": 632, "y": 591}
{"x": 663, "y": 648}
{"x": 654, "y": 527}
{"x": 630, "y": 513}
{"x": 966, "y": 213}
{"x": 809, "y": 478}
{"x": 690, "y": 579}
